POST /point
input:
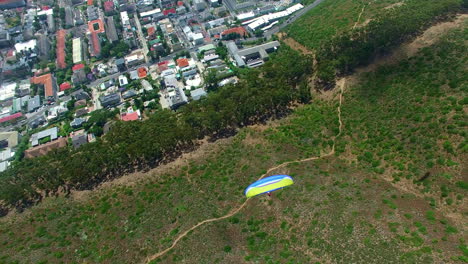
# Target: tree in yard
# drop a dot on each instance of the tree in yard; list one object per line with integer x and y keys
{"x": 211, "y": 80}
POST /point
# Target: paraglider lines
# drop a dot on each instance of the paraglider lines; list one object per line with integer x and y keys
{"x": 341, "y": 84}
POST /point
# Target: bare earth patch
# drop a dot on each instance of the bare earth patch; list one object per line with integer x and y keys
{"x": 203, "y": 150}
{"x": 394, "y": 5}
{"x": 294, "y": 44}
{"x": 426, "y": 39}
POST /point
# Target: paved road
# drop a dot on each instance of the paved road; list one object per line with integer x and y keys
{"x": 269, "y": 33}
{"x": 142, "y": 39}
{"x": 230, "y": 6}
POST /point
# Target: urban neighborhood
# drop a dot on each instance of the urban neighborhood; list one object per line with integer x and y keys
{"x": 70, "y": 69}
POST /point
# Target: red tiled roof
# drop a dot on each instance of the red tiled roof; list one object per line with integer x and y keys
{"x": 64, "y": 86}
{"x": 96, "y": 21}
{"x": 169, "y": 11}
{"x": 180, "y": 3}
{"x": 239, "y": 30}
{"x": 162, "y": 66}
{"x": 61, "y": 49}
{"x": 45, "y": 80}
{"x": 78, "y": 67}
{"x": 151, "y": 31}
{"x": 96, "y": 44}
{"x": 108, "y": 6}
{"x": 129, "y": 117}
{"x": 10, "y": 117}
{"x": 142, "y": 72}
{"x": 10, "y": 53}
{"x": 90, "y": 2}
{"x": 182, "y": 62}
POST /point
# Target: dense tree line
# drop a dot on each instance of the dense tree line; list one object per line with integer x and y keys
{"x": 130, "y": 146}
{"x": 358, "y": 47}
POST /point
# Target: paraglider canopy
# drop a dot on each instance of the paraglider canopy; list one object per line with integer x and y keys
{"x": 268, "y": 184}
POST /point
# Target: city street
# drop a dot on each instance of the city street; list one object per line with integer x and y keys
{"x": 142, "y": 39}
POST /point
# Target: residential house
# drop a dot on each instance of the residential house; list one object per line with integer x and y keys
{"x": 198, "y": 93}
{"x": 79, "y": 139}
{"x": 77, "y": 122}
{"x": 110, "y": 100}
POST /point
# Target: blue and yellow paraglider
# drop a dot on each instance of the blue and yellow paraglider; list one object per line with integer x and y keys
{"x": 268, "y": 184}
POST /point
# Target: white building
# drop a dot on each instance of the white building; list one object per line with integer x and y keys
{"x": 123, "y": 80}
{"x": 124, "y": 19}
{"x": 25, "y": 46}
{"x": 7, "y": 91}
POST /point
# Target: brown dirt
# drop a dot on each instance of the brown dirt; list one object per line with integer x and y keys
{"x": 394, "y": 5}
{"x": 429, "y": 37}
{"x": 294, "y": 44}
{"x": 360, "y": 14}
{"x": 363, "y": 24}
{"x": 204, "y": 149}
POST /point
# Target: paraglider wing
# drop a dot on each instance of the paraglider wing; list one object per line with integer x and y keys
{"x": 268, "y": 184}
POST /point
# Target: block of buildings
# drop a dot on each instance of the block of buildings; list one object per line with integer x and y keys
{"x": 251, "y": 57}
{"x": 49, "y": 83}
{"x": 61, "y": 34}
{"x": 34, "y": 103}
{"x": 51, "y": 132}
{"x": 95, "y": 45}
{"x": 111, "y": 31}
{"x": 9, "y": 139}
{"x": 42, "y": 150}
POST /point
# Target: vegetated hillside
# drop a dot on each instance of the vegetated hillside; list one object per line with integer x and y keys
{"x": 262, "y": 94}
{"x": 131, "y": 146}
{"x": 331, "y": 18}
{"x": 359, "y": 46}
{"x": 400, "y": 122}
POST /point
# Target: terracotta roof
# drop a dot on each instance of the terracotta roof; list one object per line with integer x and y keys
{"x": 10, "y": 117}
{"x": 90, "y": 2}
{"x": 100, "y": 24}
{"x": 96, "y": 44}
{"x": 41, "y": 150}
{"x": 78, "y": 67}
{"x": 180, "y": 3}
{"x": 182, "y": 62}
{"x": 142, "y": 72}
{"x": 45, "y": 80}
{"x": 61, "y": 49}
{"x": 239, "y": 30}
{"x": 151, "y": 31}
{"x": 64, "y": 86}
{"x": 129, "y": 117}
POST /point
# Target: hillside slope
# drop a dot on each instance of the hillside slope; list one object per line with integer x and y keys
{"x": 394, "y": 192}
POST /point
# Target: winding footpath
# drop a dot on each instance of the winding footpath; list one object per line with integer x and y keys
{"x": 341, "y": 85}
